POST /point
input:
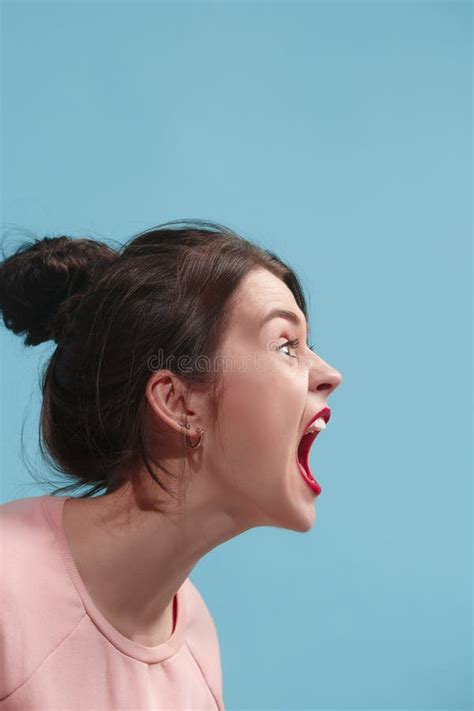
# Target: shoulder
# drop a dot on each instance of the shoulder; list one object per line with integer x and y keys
{"x": 196, "y": 606}
{"x": 23, "y": 535}
{"x": 38, "y": 603}
{"x": 202, "y": 639}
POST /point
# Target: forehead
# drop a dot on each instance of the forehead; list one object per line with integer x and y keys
{"x": 259, "y": 293}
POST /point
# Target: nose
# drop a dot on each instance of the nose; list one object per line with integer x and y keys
{"x": 323, "y": 377}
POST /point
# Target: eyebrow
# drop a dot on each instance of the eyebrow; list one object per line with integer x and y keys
{"x": 282, "y": 313}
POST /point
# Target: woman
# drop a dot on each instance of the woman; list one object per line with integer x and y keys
{"x": 179, "y": 394}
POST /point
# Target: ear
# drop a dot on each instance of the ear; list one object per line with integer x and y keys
{"x": 170, "y": 401}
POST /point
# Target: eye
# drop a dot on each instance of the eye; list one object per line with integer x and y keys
{"x": 292, "y": 343}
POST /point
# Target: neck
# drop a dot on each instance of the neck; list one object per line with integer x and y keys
{"x": 133, "y": 560}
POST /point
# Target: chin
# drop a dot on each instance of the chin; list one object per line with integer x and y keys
{"x": 306, "y": 522}
{"x": 290, "y": 506}
{"x": 300, "y": 519}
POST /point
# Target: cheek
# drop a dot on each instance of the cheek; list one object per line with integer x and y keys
{"x": 262, "y": 409}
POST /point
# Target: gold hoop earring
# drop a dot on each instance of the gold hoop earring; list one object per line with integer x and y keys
{"x": 200, "y": 432}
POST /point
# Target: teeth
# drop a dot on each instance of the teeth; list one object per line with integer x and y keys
{"x": 316, "y": 426}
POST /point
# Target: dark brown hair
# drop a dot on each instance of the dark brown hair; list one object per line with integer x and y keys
{"x": 169, "y": 289}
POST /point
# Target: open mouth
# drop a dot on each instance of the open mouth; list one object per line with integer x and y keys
{"x": 303, "y": 461}
{"x": 318, "y": 423}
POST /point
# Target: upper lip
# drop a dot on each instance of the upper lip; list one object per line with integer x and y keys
{"x": 325, "y": 413}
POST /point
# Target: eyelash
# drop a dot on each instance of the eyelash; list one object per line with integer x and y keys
{"x": 294, "y": 343}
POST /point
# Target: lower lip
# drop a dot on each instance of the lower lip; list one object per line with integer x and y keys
{"x": 310, "y": 480}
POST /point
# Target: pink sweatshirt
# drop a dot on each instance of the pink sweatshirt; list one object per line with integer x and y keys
{"x": 59, "y": 653}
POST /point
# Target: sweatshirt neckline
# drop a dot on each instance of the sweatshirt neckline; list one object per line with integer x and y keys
{"x": 53, "y": 508}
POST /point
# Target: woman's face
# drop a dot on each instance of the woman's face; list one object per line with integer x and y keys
{"x": 270, "y": 394}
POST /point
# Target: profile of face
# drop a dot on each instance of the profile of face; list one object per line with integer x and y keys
{"x": 247, "y": 467}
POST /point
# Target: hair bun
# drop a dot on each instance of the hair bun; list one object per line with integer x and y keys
{"x": 41, "y": 283}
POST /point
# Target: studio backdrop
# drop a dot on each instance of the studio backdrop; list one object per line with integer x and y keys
{"x": 336, "y": 135}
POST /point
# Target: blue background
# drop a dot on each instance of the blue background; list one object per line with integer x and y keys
{"x": 339, "y": 135}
